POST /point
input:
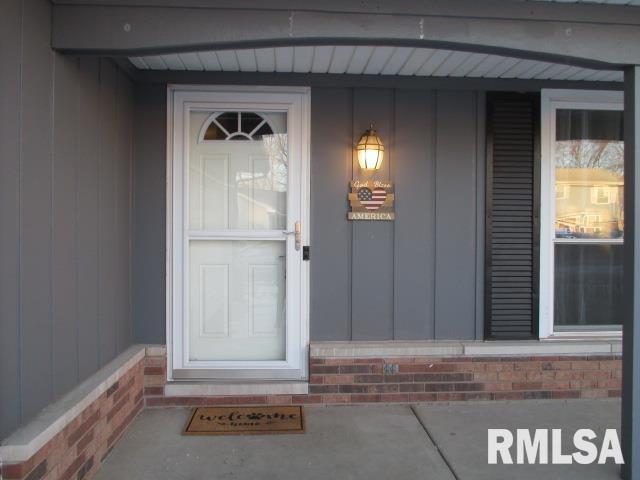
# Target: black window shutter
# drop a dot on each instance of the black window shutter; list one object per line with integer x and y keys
{"x": 512, "y": 216}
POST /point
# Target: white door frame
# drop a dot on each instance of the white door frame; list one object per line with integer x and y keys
{"x": 296, "y": 102}
{"x": 550, "y": 101}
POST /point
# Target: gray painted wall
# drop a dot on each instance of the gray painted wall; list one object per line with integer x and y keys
{"x": 65, "y": 214}
{"x": 419, "y": 277}
{"x": 149, "y": 213}
{"x": 414, "y": 278}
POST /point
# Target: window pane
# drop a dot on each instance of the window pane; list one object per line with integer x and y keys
{"x": 589, "y": 160}
{"x": 262, "y": 132}
{"x": 588, "y": 285}
{"x": 250, "y": 121}
{"x": 238, "y": 185}
{"x": 228, "y": 121}
{"x": 214, "y": 132}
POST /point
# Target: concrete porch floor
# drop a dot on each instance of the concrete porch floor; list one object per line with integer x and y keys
{"x": 447, "y": 442}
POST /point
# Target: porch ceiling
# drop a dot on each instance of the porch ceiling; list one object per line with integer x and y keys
{"x": 373, "y": 60}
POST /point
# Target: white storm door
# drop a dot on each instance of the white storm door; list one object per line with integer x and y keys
{"x": 238, "y": 204}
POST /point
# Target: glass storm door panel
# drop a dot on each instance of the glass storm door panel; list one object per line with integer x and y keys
{"x": 237, "y": 218}
{"x": 238, "y": 207}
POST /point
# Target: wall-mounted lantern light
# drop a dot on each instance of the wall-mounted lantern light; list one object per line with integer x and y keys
{"x": 370, "y": 150}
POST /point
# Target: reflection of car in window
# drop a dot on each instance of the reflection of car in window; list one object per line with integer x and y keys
{"x": 564, "y": 233}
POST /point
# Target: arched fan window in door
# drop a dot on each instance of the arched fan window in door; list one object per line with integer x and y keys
{"x": 236, "y": 126}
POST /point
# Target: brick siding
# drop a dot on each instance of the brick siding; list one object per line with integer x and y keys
{"x": 78, "y": 450}
{"x": 425, "y": 379}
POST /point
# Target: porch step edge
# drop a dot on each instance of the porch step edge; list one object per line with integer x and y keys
{"x": 208, "y": 389}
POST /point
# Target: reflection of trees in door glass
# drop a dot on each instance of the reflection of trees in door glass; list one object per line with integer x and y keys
{"x": 277, "y": 149}
{"x": 273, "y": 174}
{"x": 256, "y": 182}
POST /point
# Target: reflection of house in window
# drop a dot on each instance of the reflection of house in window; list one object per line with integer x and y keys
{"x": 562, "y": 191}
{"x": 589, "y": 203}
{"x": 603, "y": 195}
{"x": 592, "y": 219}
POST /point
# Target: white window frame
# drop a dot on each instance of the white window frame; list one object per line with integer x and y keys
{"x": 296, "y": 101}
{"x": 550, "y": 101}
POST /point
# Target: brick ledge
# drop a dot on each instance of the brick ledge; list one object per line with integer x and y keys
{"x": 365, "y": 349}
{"x": 28, "y": 440}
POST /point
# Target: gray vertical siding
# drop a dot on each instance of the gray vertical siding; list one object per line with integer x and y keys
{"x": 414, "y": 278}
{"x": 10, "y": 88}
{"x": 481, "y": 186}
{"x": 88, "y": 179}
{"x": 65, "y": 203}
{"x": 124, "y": 207}
{"x": 455, "y": 225}
{"x": 36, "y": 156}
{"x": 332, "y": 127}
{"x": 372, "y": 242}
{"x": 414, "y": 252}
{"x": 411, "y": 279}
{"x": 149, "y": 213}
{"x": 107, "y": 214}
{"x": 63, "y": 228}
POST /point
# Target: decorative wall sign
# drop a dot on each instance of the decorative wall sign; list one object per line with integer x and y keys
{"x": 371, "y": 200}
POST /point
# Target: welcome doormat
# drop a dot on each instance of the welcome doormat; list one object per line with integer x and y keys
{"x": 245, "y": 420}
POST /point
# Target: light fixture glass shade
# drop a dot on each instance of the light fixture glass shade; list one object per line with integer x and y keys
{"x": 370, "y": 150}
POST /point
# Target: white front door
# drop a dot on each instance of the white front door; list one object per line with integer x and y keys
{"x": 239, "y": 199}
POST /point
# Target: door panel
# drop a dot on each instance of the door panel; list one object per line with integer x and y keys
{"x": 237, "y": 300}
{"x": 208, "y": 192}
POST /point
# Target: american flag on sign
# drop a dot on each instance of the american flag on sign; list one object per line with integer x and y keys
{"x": 372, "y": 199}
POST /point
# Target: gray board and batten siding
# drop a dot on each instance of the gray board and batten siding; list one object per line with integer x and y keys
{"x": 419, "y": 277}
{"x": 65, "y": 214}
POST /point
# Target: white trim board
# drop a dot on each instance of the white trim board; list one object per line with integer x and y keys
{"x": 25, "y": 442}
